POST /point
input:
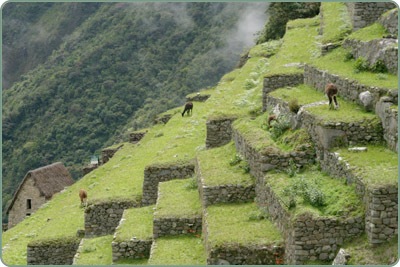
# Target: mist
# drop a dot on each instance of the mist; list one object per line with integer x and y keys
{"x": 251, "y": 22}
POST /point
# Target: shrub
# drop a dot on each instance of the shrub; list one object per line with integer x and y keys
{"x": 361, "y": 64}
{"x": 294, "y": 105}
{"x": 279, "y": 127}
{"x": 307, "y": 190}
{"x": 379, "y": 67}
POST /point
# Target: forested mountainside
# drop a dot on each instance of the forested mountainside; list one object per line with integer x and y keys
{"x": 76, "y": 74}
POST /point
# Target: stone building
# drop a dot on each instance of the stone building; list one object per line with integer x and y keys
{"x": 37, "y": 187}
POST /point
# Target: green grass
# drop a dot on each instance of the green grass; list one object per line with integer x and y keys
{"x": 336, "y": 22}
{"x": 347, "y": 112}
{"x": 178, "y": 198}
{"x": 182, "y": 250}
{"x": 363, "y": 253}
{"x": 341, "y": 200}
{"x": 142, "y": 219}
{"x": 238, "y": 224}
{"x": 96, "y": 251}
{"x": 216, "y": 169}
{"x": 254, "y": 135}
{"x": 303, "y": 93}
{"x": 334, "y": 62}
{"x": 299, "y": 46}
{"x": 377, "y": 166}
{"x": 182, "y": 138}
{"x": 372, "y": 32}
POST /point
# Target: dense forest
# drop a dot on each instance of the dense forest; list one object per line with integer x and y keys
{"x": 75, "y": 75}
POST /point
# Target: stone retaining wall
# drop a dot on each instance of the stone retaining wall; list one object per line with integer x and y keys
{"x": 53, "y": 252}
{"x": 381, "y": 215}
{"x": 327, "y": 135}
{"x": 131, "y": 249}
{"x": 135, "y": 137}
{"x": 102, "y": 218}
{"x": 226, "y": 194}
{"x": 232, "y": 254}
{"x": 383, "y": 50}
{"x": 162, "y": 119}
{"x": 108, "y": 153}
{"x": 365, "y": 13}
{"x": 274, "y": 82}
{"x": 390, "y": 21}
{"x": 388, "y": 115}
{"x": 155, "y": 174}
{"x": 219, "y": 131}
{"x": 176, "y": 226}
{"x": 271, "y": 158}
{"x": 199, "y": 97}
{"x": 348, "y": 89}
{"x": 307, "y": 237}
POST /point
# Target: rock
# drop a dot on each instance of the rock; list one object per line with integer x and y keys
{"x": 341, "y": 258}
{"x": 358, "y": 149}
{"x": 367, "y": 100}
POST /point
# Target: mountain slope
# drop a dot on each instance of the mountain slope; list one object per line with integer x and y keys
{"x": 120, "y": 66}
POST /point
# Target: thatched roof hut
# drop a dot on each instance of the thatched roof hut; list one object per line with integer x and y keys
{"x": 37, "y": 187}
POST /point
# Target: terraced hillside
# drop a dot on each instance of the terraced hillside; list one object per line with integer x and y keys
{"x": 224, "y": 186}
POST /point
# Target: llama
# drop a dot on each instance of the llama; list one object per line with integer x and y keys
{"x": 188, "y": 108}
{"x": 331, "y": 91}
{"x": 83, "y": 197}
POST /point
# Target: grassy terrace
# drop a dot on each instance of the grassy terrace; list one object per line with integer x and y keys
{"x": 96, "y": 251}
{"x": 336, "y": 23}
{"x": 216, "y": 169}
{"x": 303, "y": 93}
{"x": 255, "y": 134}
{"x": 348, "y": 111}
{"x": 364, "y": 253}
{"x": 372, "y": 32}
{"x": 377, "y": 166}
{"x": 138, "y": 223}
{"x": 299, "y": 46}
{"x": 178, "y": 198}
{"x": 239, "y": 224}
{"x": 315, "y": 183}
{"x": 182, "y": 250}
{"x": 336, "y": 63}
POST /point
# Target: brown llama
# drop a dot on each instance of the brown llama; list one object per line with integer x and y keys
{"x": 188, "y": 108}
{"x": 331, "y": 91}
{"x": 83, "y": 196}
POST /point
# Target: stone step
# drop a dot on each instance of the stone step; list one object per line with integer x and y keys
{"x": 349, "y": 125}
{"x": 133, "y": 237}
{"x": 94, "y": 251}
{"x": 374, "y": 171}
{"x": 178, "y": 209}
{"x": 309, "y": 209}
{"x": 263, "y": 154}
{"x": 223, "y": 176}
{"x": 239, "y": 234}
{"x": 178, "y": 250}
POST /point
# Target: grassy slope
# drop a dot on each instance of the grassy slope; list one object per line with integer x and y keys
{"x": 238, "y": 93}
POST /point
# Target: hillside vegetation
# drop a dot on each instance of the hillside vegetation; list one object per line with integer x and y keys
{"x": 97, "y": 68}
{"x": 238, "y": 94}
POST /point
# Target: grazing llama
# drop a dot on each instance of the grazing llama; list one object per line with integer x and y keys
{"x": 188, "y": 108}
{"x": 83, "y": 197}
{"x": 331, "y": 91}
